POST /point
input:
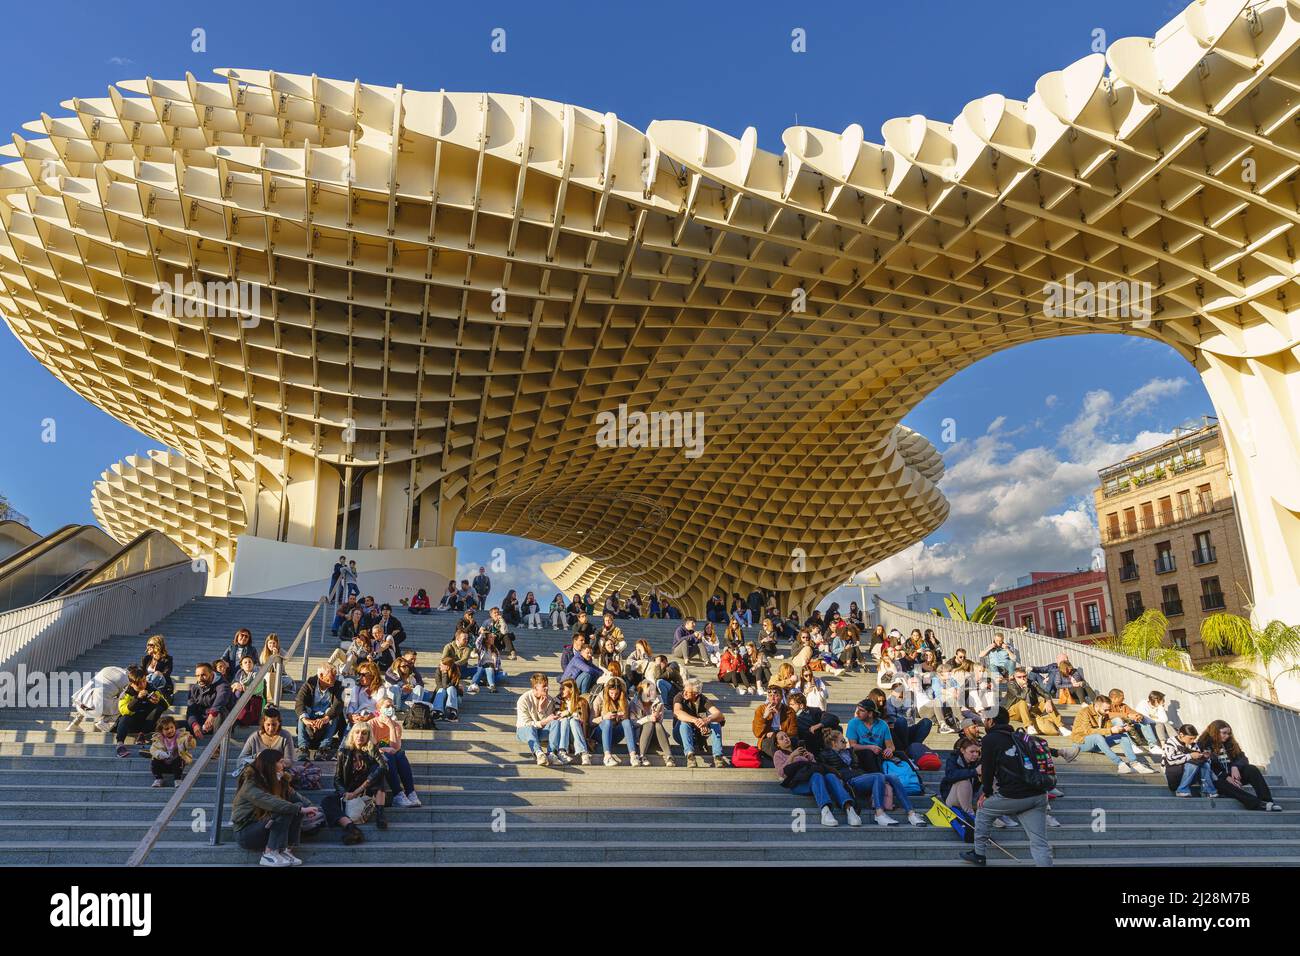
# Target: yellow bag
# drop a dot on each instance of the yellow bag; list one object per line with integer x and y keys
{"x": 940, "y": 814}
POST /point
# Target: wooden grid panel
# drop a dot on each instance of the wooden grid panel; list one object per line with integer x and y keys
{"x": 166, "y": 492}
{"x": 659, "y": 269}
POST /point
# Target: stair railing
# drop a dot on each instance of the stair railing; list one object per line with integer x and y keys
{"x": 1269, "y": 733}
{"x": 219, "y": 746}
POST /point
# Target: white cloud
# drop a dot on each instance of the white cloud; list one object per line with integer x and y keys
{"x": 1016, "y": 510}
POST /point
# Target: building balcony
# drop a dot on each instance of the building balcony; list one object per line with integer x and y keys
{"x": 1128, "y": 572}
{"x": 1133, "y": 613}
{"x": 1202, "y": 556}
{"x": 1129, "y": 482}
{"x": 1199, "y": 508}
{"x": 1213, "y": 602}
{"x": 1171, "y": 608}
{"x": 1165, "y": 564}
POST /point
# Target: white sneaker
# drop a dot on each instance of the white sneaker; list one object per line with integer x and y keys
{"x": 611, "y": 760}
{"x": 885, "y": 820}
{"x": 104, "y": 725}
{"x": 1156, "y": 751}
{"x": 1124, "y": 768}
{"x": 401, "y": 801}
{"x": 852, "y": 816}
{"x": 472, "y": 689}
{"x": 551, "y": 759}
{"x": 412, "y": 799}
{"x": 1142, "y": 768}
{"x": 541, "y": 758}
{"x": 564, "y": 758}
{"x": 1069, "y": 753}
{"x": 760, "y": 690}
{"x": 271, "y": 858}
{"x": 828, "y": 818}
{"x": 1053, "y": 822}
{"x": 584, "y": 759}
{"x": 916, "y": 819}
{"x": 287, "y": 854}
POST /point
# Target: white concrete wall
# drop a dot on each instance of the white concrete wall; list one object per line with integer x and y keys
{"x": 275, "y": 569}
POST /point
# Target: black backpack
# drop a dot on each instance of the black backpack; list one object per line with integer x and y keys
{"x": 1032, "y": 765}
{"x": 418, "y": 716}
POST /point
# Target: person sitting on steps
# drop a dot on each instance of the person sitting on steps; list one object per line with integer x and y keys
{"x": 1091, "y": 731}
{"x": 574, "y": 712}
{"x": 170, "y": 751}
{"x": 359, "y": 772}
{"x": 139, "y": 709}
{"x": 267, "y": 813}
{"x": 1186, "y": 763}
{"x": 320, "y": 714}
{"x": 1232, "y": 771}
{"x": 800, "y": 772}
{"x": 612, "y": 710}
{"x": 535, "y": 714}
{"x": 696, "y": 717}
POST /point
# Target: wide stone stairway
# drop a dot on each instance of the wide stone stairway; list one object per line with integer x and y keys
{"x": 66, "y": 799}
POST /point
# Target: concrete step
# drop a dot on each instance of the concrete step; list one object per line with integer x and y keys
{"x": 839, "y": 847}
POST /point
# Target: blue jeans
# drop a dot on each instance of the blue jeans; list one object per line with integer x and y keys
{"x": 1191, "y": 770}
{"x": 532, "y": 736}
{"x": 321, "y": 737}
{"x": 416, "y": 695}
{"x": 629, "y": 736}
{"x": 826, "y": 788}
{"x": 876, "y": 783}
{"x": 481, "y": 671}
{"x": 585, "y": 682}
{"x": 688, "y": 733}
{"x": 447, "y": 698}
{"x": 1102, "y": 745}
{"x": 399, "y": 772}
{"x": 571, "y": 730}
{"x": 665, "y": 693}
{"x": 1153, "y": 738}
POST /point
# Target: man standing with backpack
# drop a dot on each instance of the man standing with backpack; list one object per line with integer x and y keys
{"x": 1021, "y": 766}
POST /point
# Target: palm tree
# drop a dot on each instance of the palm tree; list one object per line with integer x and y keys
{"x": 983, "y": 613}
{"x": 1144, "y": 638}
{"x": 1271, "y": 652}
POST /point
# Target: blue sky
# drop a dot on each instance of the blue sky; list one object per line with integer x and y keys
{"x": 1031, "y": 422}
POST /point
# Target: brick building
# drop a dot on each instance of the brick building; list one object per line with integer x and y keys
{"x": 1073, "y": 605}
{"x": 1170, "y": 535}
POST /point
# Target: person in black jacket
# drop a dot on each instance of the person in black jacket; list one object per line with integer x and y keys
{"x": 320, "y": 713}
{"x": 811, "y": 721}
{"x": 240, "y": 647}
{"x": 1232, "y": 771}
{"x": 1000, "y": 763}
{"x": 360, "y": 772}
{"x": 209, "y": 701}
{"x": 961, "y": 776}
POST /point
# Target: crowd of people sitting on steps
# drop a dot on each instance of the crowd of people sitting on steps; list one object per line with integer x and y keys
{"x": 620, "y": 698}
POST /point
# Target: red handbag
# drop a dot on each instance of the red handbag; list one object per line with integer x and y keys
{"x": 745, "y": 755}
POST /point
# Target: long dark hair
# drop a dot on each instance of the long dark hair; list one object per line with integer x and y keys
{"x": 1210, "y": 741}
{"x": 264, "y": 772}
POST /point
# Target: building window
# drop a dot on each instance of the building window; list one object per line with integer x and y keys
{"x": 1202, "y": 549}
{"x": 1058, "y": 618}
{"x": 1171, "y": 603}
{"x": 1166, "y": 506}
{"x": 1204, "y": 499}
{"x": 1130, "y": 521}
{"x": 1093, "y": 615}
{"x": 1027, "y": 622}
{"x": 1212, "y": 595}
{"x": 1128, "y": 569}
{"x": 1112, "y": 525}
{"x": 1133, "y": 605}
{"x": 1164, "y": 557}
{"x": 1179, "y": 639}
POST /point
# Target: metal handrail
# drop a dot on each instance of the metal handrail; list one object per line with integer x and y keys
{"x": 95, "y": 592}
{"x": 1269, "y": 731}
{"x": 220, "y": 741}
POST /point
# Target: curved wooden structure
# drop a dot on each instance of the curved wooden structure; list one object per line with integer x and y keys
{"x": 454, "y": 286}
